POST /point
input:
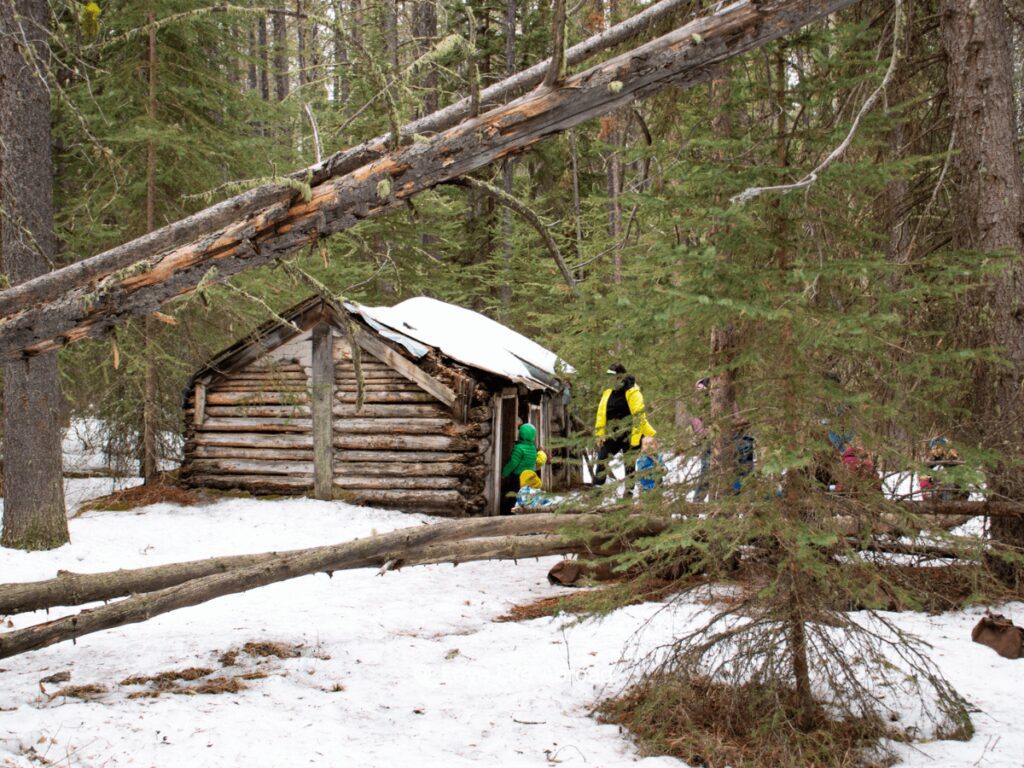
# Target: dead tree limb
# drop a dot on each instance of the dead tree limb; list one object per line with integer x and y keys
{"x": 409, "y": 544}
{"x": 515, "y": 204}
{"x": 556, "y": 64}
{"x": 53, "y": 284}
{"x": 77, "y": 588}
{"x": 681, "y": 58}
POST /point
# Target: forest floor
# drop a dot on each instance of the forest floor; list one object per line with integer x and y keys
{"x": 370, "y": 670}
{"x": 439, "y": 665}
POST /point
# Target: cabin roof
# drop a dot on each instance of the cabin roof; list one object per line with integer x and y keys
{"x": 420, "y": 325}
{"x": 467, "y": 337}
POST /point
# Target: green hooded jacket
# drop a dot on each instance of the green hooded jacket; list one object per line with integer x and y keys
{"x": 524, "y": 453}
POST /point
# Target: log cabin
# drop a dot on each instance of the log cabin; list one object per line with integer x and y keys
{"x": 413, "y": 407}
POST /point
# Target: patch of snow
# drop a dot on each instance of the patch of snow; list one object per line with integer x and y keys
{"x": 469, "y": 337}
{"x": 394, "y": 670}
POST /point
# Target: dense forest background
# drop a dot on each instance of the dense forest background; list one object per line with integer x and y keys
{"x": 162, "y": 107}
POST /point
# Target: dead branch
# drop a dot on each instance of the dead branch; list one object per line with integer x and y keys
{"x": 515, "y": 204}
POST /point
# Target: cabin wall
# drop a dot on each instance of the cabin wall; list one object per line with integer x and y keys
{"x": 253, "y": 429}
{"x": 403, "y": 448}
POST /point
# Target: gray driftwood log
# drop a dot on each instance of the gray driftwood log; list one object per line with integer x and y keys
{"x": 682, "y": 58}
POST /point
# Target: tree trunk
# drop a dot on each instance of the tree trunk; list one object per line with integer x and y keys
{"x": 723, "y": 408}
{"x": 680, "y": 58}
{"x": 150, "y": 461}
{"x": 264, "y": 49}
{"x": 279, "y": 29}
{"x": 989, "y": 216}
{"x": 34, "y": 515}
{"x": 341, "y": 73}
{"x": 426, "y": 34}
{"x": 301, "y": 36}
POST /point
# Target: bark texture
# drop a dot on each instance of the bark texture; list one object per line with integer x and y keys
{"x": 34, "y": 516}
{"x": 989, "y": 216}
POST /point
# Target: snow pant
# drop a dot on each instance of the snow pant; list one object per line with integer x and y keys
{"x": 610, "y": 448}
{"x": 509, "y": 489}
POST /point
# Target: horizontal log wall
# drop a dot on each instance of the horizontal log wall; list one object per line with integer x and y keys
{"x": 403, "y": 448}
{"x": 255, "y": 432}
{"x": 400, "y": 448}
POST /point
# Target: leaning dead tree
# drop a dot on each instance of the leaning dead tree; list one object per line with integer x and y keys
{"x": 53, "y": 284}
{"x": 92, "y": 297}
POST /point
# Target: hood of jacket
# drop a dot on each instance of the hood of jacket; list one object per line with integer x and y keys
{"x": 527, "y": 433}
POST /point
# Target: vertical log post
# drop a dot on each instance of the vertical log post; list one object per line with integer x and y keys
{"x": 321, "y": 401}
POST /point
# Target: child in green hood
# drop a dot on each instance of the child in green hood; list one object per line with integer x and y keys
{"x": 524, "y": 457}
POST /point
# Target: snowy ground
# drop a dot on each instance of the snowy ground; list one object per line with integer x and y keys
{"x": 408, "y": 668}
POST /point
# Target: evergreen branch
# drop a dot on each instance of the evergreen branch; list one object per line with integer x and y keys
{"x": 515, "y": 204}
{"x": 751, "y": 192}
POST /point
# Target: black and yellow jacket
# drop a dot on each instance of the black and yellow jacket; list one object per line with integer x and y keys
{"x": 634, "y": 401}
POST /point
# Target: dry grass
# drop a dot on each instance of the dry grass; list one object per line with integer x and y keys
{"x": 170, "y": 682}
{"x": 267, "y": 648}
{"x": 85, "y": 692}
{"x": 167, "y": 679}
{"x": 141, "y": 496}
{"x": 716, "y": 726}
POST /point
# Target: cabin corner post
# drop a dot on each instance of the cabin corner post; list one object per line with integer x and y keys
{"x": 321, "y": 401}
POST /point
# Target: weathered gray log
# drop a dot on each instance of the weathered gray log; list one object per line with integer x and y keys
{"x": 227, "y": 466}
{"x": 396, "y": 483}
{"x": 681, "y": 58}
{"x": 255, "y": 439}
{"x": 267, "y": 424}
{"x": 256, "y": 398}
{"x": 210, "y": 220}
{"x": 259, "y": 411}
{"x": 431, "y": 426}
{"x": 404, "y": 469}
{"x": 391, "y": 410}
{"x": 385, "y": 396}
{"x": 404, "y": 456}
{"x": 381, "y": 548}
{"x": 404, "y": 442}
{"x": 237, "y": 452}
{"x": 410, "y": 426}
{"x": 258, "y": 484}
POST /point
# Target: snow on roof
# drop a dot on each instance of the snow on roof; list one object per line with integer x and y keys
{"x": 467, "y": 337}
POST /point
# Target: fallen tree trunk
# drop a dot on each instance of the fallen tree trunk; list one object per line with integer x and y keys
{"x": 686, "y": 56}
{"x": 77, "y": 588}
{"x": 69, "y": 588}
{"x": 419, "y": 546}
{"x": 49, "y": 286}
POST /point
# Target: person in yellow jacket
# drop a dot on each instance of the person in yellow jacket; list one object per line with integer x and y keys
{"x": 621, "y": 424}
